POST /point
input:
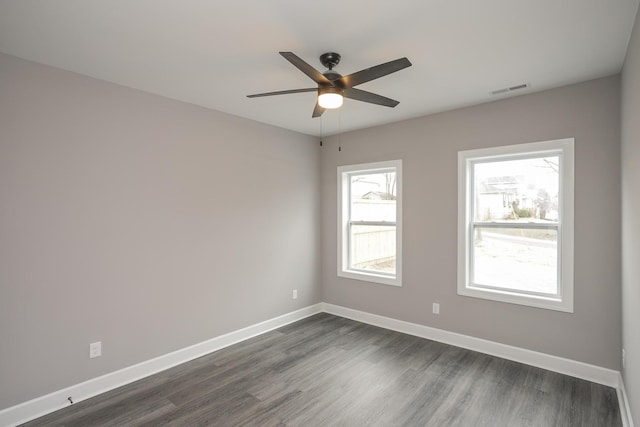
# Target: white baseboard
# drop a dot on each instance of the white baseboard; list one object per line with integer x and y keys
{"x": 625, "y": 409}
{"x": 57, "y": 400}
{"x": 573, "y": 368}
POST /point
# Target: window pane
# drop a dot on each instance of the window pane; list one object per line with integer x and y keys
{"x": 373, "y": 248}
{"x": 523, "y": 189}
{"x": 516, "y": 258}
{"x": 373, "y": 197}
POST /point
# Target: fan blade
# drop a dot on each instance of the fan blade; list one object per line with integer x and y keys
{"x": 372, "y": 73}
{"x": 283, "y": 92}
{"x": 372, "y": 98}
{"x": 317, "y": 112}
{"x": 314, "y": 74}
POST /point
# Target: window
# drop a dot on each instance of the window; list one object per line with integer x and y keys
{"x": 369, "y": 222}
{"x": 515, "y": 224}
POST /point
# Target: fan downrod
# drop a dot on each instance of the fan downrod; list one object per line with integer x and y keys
{"x": 330, "y": 59}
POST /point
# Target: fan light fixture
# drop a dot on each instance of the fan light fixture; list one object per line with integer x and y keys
{"x": 330, "y": 97}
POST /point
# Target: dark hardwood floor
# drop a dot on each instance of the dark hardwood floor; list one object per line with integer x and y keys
{"x": 330, "y": 371}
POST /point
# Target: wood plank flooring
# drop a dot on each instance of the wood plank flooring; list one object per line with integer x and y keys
{"x": 330, "y": 371}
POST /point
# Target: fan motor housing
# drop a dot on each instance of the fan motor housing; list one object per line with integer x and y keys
{"x": 331, "y": 75}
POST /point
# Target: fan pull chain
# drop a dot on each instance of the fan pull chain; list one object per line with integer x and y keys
{"x": 339, "y": 130}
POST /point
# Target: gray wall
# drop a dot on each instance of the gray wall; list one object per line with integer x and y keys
{"x": 630, "y": 215}
{"x": 428, "y": 146}
{"x": 143, "y": 222}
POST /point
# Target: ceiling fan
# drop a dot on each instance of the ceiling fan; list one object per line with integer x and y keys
{"x": 332, "y": 87}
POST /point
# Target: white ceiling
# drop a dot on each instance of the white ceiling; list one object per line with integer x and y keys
{"x": 213, "y": 53}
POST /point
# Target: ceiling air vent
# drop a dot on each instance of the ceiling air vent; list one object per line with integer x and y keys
{"x": 510, "y": 89}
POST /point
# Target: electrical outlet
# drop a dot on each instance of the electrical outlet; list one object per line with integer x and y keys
{"x": 436, "y": 308}
{"x": 624, "y": 360}
{"x": 95, "y": 349}
{"x": 294, "y": 294}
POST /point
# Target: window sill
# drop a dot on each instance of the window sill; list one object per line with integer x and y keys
{"x": 547, "y": 303}
{"x": 370, "y": 277}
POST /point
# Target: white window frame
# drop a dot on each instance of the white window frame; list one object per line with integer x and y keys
{"x": 344, "y": 174}
{"x": 564, "y": 148}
